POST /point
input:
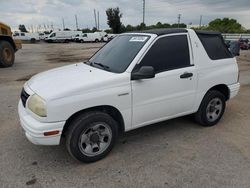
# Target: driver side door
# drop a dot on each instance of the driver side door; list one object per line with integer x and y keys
{"x": 172, "y": 92}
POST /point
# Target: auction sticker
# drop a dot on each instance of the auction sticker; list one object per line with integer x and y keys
{"x": 138, "y": 39}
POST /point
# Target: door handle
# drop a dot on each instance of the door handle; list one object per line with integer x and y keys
{"x": 186, "y": 75}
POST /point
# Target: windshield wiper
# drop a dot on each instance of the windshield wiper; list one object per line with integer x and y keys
{"x": 101, "y": 65}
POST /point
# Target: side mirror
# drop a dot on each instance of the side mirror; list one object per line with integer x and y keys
{"x": 145, "y": 72}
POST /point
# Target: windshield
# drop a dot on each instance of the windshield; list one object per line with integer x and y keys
{"x": 117, "y": 55}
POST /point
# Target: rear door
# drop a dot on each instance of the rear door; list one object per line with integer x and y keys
{"x": 172, "y": 92}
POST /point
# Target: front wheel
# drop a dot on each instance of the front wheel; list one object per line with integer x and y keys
{"x": 7, "y": 54}
{"x": 91, "y": 136}
{"x": 211, "y": 109}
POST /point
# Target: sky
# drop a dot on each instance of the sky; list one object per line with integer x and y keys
{"x": 44, "y": 13}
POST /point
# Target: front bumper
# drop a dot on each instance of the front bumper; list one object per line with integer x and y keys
{"x": 234, "y": 89}
{"x": 34, "y": 129}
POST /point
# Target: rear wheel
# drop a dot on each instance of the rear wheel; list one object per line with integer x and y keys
{"x": 211, "y": 109}
{"x": 7, "y": 54}
{"x": 91, "y": 136}
{"x": 96, "y": 40}
{"x": 33, "y": 40}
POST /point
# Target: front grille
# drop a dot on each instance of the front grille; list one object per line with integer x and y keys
{"x": 24, "y": 97}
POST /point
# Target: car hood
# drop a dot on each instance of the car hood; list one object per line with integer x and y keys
{"x": 69, "y": 80}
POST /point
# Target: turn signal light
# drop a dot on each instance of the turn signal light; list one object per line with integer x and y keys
{"x": 50, "y": 133}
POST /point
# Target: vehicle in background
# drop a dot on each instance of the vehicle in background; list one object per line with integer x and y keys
{"x": 108, "y": 37}
{"x": 234, "y": 47}
{"x": 32, "y": 37}
{"x": 102, "y": 34}
{"x": 105, "y": 38}
{"x": 78, "y": 34}
{"x": 42, "y": 36}
{"x": 111, "y": 36}
{"x": 227, "y": 42}
{"x": 8, "y": 46}
{"x": 61, "y": 36}
{"x": 89, "y": 37}
{"x": 244, "y": 44}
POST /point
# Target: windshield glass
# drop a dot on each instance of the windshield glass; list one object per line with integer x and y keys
{"x": 117, "y": 55}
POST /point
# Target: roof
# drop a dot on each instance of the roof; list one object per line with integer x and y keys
{"x": 162, "y": 31}
{"x": 204, "y": 32}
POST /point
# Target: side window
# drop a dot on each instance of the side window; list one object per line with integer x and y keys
{"x": 214, "y": 46}
{"x": 167, "y": 53}
{"x": 22, "y": 34}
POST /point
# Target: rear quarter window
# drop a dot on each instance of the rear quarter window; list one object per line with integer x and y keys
{"x": 214, "y": 46}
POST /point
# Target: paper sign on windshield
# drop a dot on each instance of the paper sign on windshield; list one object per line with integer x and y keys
{"x": 138, "y": 39}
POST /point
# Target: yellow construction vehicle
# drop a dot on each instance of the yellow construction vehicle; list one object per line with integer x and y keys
{"x": 8, "y": 46}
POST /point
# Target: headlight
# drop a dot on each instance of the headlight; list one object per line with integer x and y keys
{"x": 37, "y": 105}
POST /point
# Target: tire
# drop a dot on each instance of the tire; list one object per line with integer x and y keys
{"x": 211, "y": 108}
{"x": 66, "y": 41}
{"x": 81, "y": 41}
{"x": 7, "y": 54}
{"x": 32, "y": 40}
{"x": 83, "y": 139}
{"x": 96, "y": 40}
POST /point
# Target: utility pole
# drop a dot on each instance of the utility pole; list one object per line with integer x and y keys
{"x": 143, "y": 16}
{"x": 95, "y": 19}
{"x": 52, "y": 26}
{"x": 76, "y": 22}
{"x": 200, "y": 20}
{"x": 179, "y": 20}
{"x": 63, "y": 23}
{"x": 98, "y": 26}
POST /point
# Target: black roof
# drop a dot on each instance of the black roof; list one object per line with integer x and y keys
{"x": 204, "y": 32}
{"x": 162, "y": 31}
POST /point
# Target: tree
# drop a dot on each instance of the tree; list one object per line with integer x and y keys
{"x": 142, "y": 26}
{"x": 94, "y": 29}
{"x": 180, "y": 25}
{"x": 225, "y": 25}
{"x": 22, "y": 28}
{"x": 114, "y": 19}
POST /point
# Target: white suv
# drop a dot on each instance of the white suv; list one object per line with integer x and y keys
{"x": 135, "y": 80}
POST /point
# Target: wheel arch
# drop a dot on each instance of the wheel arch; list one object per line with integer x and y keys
{"x": 112, "y": 111}
{"x": 223, "y": 88}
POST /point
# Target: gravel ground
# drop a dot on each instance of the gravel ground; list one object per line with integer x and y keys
{"x": 175, "y": 153}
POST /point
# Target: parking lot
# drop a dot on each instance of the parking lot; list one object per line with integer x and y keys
{"x": 175, "y": 153}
